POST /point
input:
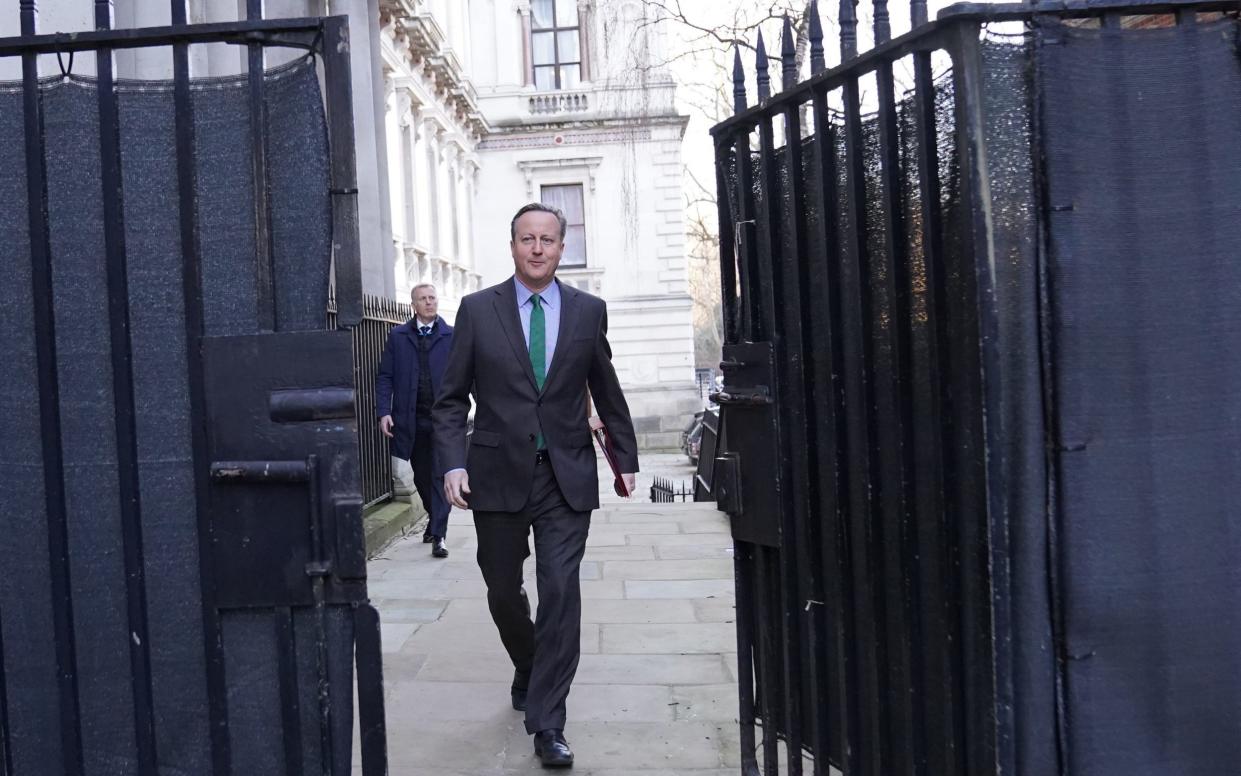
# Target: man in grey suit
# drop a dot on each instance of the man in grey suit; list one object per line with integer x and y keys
{"x": 528, "y": 349}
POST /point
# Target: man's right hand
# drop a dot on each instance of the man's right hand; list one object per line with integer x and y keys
{"x": 457, "y": 487}
{"x": 385, "y": 425}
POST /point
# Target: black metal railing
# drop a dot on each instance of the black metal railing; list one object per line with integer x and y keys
{"x": 176, "y": 298}
{"x": 665, "y": 491}
{"x": 862, "y": 457}
{"x": 379, "y": 317}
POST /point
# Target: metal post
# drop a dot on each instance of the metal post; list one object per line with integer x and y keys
{"x": 883, "y": 23}
{"x": 125, "y": 413}
{"x": 848, "y": 30}
{"x": 760, "y": 68}
{"x": 49, "y": 403}
{"x": 192, "y": 296}
{"x": 788, "y": 56}
{"x": 817, "y": 60}
{"x": 857, "y": 356}
{"x": 932, "y": 440}
{"x": 264, "y": 256}
{"x": 738, "y": 82}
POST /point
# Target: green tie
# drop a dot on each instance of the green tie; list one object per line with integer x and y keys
{"x": 538, "y": 349}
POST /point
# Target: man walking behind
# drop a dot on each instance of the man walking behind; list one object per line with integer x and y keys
{"x": 409, "y": 379}
{"x": 528, "y": 349}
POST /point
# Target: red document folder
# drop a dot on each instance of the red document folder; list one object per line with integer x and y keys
{"x": 609, "y": 453}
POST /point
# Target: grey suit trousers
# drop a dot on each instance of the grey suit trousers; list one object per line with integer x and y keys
{"x": 544, "y": 652}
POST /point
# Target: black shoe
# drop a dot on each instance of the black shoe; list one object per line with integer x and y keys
{"x": 552, "y": 749}
{"x": 438, "y": 550}
{"x": 520, "y": 683}
{"x": 426, "y": 538}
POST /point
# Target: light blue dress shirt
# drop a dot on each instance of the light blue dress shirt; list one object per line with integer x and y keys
{"x": 551, "y": 316}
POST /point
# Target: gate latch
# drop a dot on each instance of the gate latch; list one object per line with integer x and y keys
{"x": 727, "y": 485}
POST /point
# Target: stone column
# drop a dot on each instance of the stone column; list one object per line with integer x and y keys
{"x": 586, "y": 25}
{"x": 527, "y": 51}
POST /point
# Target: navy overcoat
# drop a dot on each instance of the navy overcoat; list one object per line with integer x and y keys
{"x": 396, "y": 385}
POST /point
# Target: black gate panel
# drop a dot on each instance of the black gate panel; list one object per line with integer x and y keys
{"x": 1144, "y": 187}
{"x": 978, "y": 421}
{"x": 182, "y": 584}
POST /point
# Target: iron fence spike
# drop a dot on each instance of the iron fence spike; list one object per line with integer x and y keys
{"x": 739, "y": 96}
{"x": 883, "y": 22}
{"x": 764, "y": 80}
{"x": 917, "y": 12}
{"x": 788, "y": 55}
{"x": 818, "y": 62}
{"x": 848, "y": 30}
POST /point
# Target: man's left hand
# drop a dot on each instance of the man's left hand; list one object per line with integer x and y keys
{"x": 630, "y": 483}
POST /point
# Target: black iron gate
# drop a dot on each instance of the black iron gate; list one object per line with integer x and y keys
{"x": 965, "y": 336}
{"x": 183, "y": 575}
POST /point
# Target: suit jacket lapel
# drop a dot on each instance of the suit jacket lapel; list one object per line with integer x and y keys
{"x": 568, "y": 325}
{"x": 505, "y": 303}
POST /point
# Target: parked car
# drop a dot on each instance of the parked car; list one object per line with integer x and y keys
{"x": 691, "y": 437}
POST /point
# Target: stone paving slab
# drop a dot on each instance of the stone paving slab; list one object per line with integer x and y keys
{"x": 655, "y": 693}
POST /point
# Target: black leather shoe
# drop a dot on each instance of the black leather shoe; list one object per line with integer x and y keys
{"x": 520, "y": 683}
{"x": 552, "y": 749}
{"x": 426, "y": 538}
{"x": 438, "y": 549}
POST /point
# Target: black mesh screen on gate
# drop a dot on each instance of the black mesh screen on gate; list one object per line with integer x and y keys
{"x": 301, "y": 245}
{"x": 1143, "y": 165}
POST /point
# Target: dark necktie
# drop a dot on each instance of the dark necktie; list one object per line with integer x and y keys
{"x": 425, "y": 330}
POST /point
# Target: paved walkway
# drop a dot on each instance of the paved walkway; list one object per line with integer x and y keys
{"x": 655, "y": 693}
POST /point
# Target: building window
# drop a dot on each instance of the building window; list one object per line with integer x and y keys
{"x": 556, "y": 44}
{"x": 569, "y": 200}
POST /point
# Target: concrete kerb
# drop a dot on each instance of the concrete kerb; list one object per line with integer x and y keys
{"x": 389, "y": 521}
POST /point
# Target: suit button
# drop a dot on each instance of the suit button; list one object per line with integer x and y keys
{"x": 532, "y": 437}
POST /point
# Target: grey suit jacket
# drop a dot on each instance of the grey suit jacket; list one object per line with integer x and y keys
{"x": 489, "y": 359}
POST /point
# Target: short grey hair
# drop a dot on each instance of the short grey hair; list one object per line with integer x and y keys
{"x": 413, "y": 292}
{"x": 539, "y": 207}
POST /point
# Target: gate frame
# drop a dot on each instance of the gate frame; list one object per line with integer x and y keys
{"x": 328, "y": 39}
{"x": 775, "y": 308}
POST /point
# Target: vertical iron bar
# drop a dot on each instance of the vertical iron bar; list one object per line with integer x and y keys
{"x": 871, "y": 736}
{"x": 6, "y": 742}
{"x": 883, "y": 23}
{"x": 933, "y": 446}
{"x": 372, "y": 726}
{"x": 747, "y": 248}
{"x": 192, "y": 298}
{"x": 848, "y": 34}
{"x": 290, "y": 705}
{"x": 917, "y": 13}
{"x": 264, "y": 256}
{"x": 760, "y": 69}
{"x": 49, "y": 402}
{"x": 728, "y": 254}
{"x": 318, "y": 573}
{"x": 775, "y": 284}
{"x": 125, "y": 413}
{"x": 346, "y": 253}
{"x": 788, "y": 56}
{"x": 832, "y": 452}
{"x": 818, "y": 62}
{"x": 802, "y": 455}
{"x": 983, "y": 571}
{"x": 738, "y": 82}
{"x": 895, "y": 461}
{"x": 767, "y": 680}
{"x": 1111, "y": 20}
{"x": 743, "y": 566}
